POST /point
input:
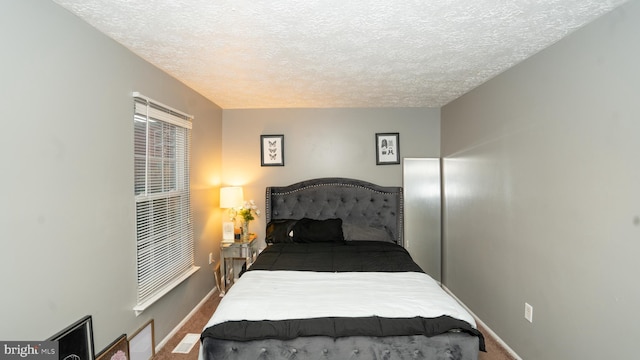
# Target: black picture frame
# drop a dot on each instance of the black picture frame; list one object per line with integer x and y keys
{"x": 387, "y": 148}
{"x": 118, "y": 349}
{"x": 76, "y": 340}
{"x": 272, "y": 150}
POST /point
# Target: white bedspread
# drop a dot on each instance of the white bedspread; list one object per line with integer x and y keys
{"x": 279, "y": 295}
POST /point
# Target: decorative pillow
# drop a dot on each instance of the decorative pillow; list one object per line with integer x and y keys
{"x": 354, "y": 232}
{"x": 278, "y": 231}
{"x": 309, "y": 231}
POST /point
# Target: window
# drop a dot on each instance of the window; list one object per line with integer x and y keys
{"x": 164, "y": 229}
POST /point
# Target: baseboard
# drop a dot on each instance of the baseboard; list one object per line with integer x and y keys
{"x": 488, "y": 329}
{"x": 175, "y": 330}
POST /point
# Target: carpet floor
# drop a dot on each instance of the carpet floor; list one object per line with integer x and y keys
{"x": 202, "y": 315}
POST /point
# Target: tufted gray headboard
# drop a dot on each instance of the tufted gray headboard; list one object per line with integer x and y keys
{"x": 354, "y": 201}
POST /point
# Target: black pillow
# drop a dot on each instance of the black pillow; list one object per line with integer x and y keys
{"x": 278, "y": 231}
{"x": 310, "y": 231}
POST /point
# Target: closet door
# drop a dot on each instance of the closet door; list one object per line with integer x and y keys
{"x": 422, "y": 213}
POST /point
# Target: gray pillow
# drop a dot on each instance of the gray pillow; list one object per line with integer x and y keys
{"x": 354, "y": 232}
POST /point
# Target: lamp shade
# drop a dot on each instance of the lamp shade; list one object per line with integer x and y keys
{"x": 231, "y": 196}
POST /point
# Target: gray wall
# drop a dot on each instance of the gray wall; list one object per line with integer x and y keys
{"x": 541, "y": 197}
{"x": 322, "y": 143}
{"x": 67, "y": 210}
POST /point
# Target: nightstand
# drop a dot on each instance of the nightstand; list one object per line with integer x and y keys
{"x": 230, "y": 251}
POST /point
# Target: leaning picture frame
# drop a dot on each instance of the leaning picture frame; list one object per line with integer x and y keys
{"x": 387, "y": 148}
{"x": 272, "y": 150}
{"x": 76, "y": 340}
{"x": 142, "y": 343}
{"x": 217, "y": 276}
{"x": 117, "y": 350}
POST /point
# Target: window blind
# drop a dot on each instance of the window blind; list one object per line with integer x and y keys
{"x": 164, "y": 228}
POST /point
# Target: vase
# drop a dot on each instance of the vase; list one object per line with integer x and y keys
{"x": 244, "y": 231}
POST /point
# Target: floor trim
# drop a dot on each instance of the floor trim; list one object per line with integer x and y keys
{"x": 488, "y": 329}
{"x": 177, "y": 328}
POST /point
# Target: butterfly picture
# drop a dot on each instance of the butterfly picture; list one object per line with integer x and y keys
{"x": 272, "y": 150}
{"x": 387, "y": 148}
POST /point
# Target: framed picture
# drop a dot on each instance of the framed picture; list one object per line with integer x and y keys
{"x": 272, "y": 150}
{"x": 142, "y": 343}
{"x": 227, "y": 230}
{"x": 75, "y": 342}
{"x": 117, "y": 350}
{"x": 387, "y": 148}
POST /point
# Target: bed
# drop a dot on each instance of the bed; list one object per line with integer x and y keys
{"x": 335, "y": 282}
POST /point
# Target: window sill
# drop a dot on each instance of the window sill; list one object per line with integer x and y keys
{"x": 139, "y": 308}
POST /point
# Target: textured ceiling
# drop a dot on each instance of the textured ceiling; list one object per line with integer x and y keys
{"x": 335, "y": 53}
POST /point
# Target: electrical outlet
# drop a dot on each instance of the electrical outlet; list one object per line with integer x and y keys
{"x": 528, "y": 312}
{"x": 211, "y": 258}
